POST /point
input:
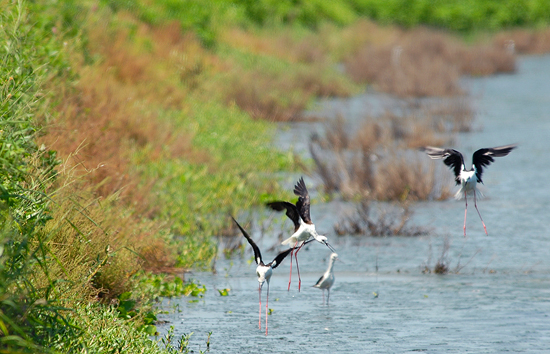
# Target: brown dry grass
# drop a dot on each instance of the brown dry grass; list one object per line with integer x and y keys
{"x": 107, "y": 115}
{"x": 524, "y": 41}
{"x": 375, "y": 162}
{"x": 281, "y": 73}
{"x": 103, "y": 123}
{"x": 284, "y": 44}
{"x": 283, "y": 94}
{"x": 97, "y": 246}
{"x": 424, "y": 62}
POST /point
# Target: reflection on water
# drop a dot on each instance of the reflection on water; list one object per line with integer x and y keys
{"x": 499, "y": 301}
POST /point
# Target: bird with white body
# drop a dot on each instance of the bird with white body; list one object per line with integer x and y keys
{"x": 263, "y": 271}
{"x": 326, "y": 281}
{"x": 304, "y": 229}
{"x": 468, "y": 179}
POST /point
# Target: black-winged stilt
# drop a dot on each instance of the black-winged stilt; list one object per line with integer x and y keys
{"x": 327, "y": 279}
{"x": 468, "y": 179}
{"x": 304, "y": 228}
{"x": 263, "y": 271}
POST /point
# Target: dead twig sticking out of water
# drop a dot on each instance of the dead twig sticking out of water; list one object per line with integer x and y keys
{"x": 385, "y": 223}
{"x": 442, "y": 265}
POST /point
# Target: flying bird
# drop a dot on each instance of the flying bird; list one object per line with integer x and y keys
{"x": 327, "y": 279}
{"x": 304, "y": 229}
{"x": 263, "y": 271}
{"x": 468, "y": 179}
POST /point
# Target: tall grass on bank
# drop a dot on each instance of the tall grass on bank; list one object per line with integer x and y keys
{"x": 525, "y": 41}
{"x": 277, "y": 86}
{"x": 61, "y": 248}
{"x": 29, "y": 312}
{"x": 424, "y": 62}
{"x": 144, "y": 123}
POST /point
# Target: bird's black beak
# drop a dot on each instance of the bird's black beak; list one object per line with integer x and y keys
{"x": 329, "y": 246}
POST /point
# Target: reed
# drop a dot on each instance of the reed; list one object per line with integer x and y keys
{"x": 375, "y": 162}
{"x": 424, "y": 62}
{"x": 391, "y": 222}
{"x": 524, "y": 41}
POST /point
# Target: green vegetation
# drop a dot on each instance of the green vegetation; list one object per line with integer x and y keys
{"x": 458, "y": 15}
{"x": 209, "y": 19}
{"x": 75, "y": 235}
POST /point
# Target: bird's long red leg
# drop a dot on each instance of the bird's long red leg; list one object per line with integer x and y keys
{"x": 260, "y": 293}
{"x": 465, "y": 211}
{"x": 297, "y": 267}
{"x": 290, "y": 276}
{"x": 266, "y": 306}
{"x": 478, "y": 213}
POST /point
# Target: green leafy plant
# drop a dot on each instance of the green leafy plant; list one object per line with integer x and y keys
{"x": 224, "y": 292}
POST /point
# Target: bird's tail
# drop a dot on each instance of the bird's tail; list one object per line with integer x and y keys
{"x": 460, "y": 194}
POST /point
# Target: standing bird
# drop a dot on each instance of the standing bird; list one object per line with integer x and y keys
{"x": 468, "y": 179}
{"x": 263, "y": 271}
{"x": 304, "y": 228}
{"x": 326, "y": 281}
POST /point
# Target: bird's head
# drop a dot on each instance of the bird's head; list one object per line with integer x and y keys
{"x": 333, "y": 256}
{"x": 322, "y": 239}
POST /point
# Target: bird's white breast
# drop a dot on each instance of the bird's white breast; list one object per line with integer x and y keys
{"x": 305, "y": 231}
{"x": 468, "y": 180}
{"x": 264, "y": 273}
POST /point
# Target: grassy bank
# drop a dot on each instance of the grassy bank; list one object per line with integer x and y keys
{"x": 143, "y": 167}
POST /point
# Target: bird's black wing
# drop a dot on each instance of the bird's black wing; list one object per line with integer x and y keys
{"x": 280, "y": 257}
{"x": 320, "y": 280}
{"x": 484, "y": 157}
{"x": 452, "y": 158}
{"x": 257, "y": 254}
{"x": 291, "y": 211}
{"x": 303, "y": 201}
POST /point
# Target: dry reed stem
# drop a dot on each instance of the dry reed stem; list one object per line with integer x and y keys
{"x": 373, "y": 162}
{"x": 387, "y": 223}
{"x": 97, "y": 247}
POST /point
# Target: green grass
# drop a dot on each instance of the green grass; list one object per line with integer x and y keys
{"x": 198, "y": 197}
{"x": 207, "y": 19}
{"x": 458, "y": 15}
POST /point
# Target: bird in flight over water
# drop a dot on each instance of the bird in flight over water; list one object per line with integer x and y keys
{"x": 468, "y": 179}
